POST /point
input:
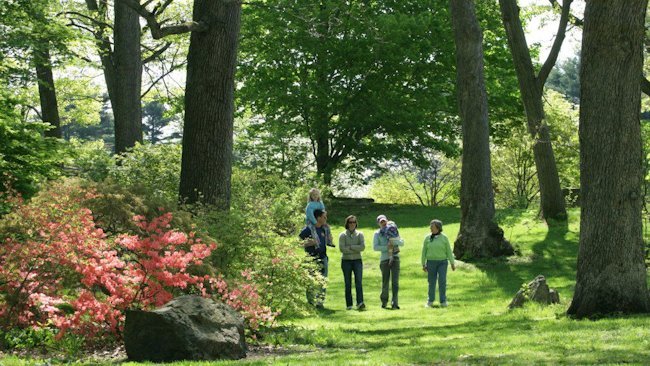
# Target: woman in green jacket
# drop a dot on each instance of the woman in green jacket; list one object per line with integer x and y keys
{"x": 436, "y": 256}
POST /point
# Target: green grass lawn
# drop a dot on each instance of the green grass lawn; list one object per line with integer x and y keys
{"x": 476, "y": 328}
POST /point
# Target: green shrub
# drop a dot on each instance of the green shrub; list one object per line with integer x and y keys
{"x": 392, "y": 189}
{"x": 155, "y": 169}
{"x": 26, "y": 157}
{"x": 90, "y": 159}
{"x": 258, "y": 235}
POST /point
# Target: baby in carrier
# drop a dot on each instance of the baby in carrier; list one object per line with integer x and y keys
{"x": 391, "y": 232}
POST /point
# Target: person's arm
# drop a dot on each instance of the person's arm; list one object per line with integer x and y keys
{"x": 450, "y": 254}
{"x": 424, "y": 254}
{"x": 358, "y": 248}
{"x": 343, "y": 247}
{"x": 305, "y": 236}
{"x": 377, "y": 245}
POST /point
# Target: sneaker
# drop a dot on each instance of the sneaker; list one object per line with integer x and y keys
{"x": 361, "y": 307}
{"x": 320, "y": 307}
{"x": 429, "y": 304}
{"x": 348, "y": 308}
{"x": 443, "y": 304}
{"x": 383, "y": 305}
{"x": 395, "y": 307}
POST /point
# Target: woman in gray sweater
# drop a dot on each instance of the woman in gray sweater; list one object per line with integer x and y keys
{"x": 351, "y": 244}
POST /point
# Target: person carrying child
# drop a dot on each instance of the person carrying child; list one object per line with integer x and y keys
{"x": 389, "y": 271}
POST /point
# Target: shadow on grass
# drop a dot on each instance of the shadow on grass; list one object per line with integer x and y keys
{"x": 520, "y": 336}
{"x": 554, "y": 257}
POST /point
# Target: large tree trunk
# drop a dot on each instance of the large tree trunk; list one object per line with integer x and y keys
{"x": 127, "y": 78}
{"x": 532, "y": 89}
{"x": 479, "y": 236}
{"x": 209, "y": 104}
{"x": 46, "y": 90}
{"x": 611, "y": 273}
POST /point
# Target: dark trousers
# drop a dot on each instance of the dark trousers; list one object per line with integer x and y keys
{"x": 389, "y": 272}
{"x": 349, "y": 266}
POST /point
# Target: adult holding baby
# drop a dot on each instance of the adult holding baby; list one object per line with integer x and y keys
{"x": 389, "y": 269}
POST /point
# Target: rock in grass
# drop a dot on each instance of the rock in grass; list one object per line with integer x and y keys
{"x": 537, "y": 290}
{"x": 186, "y": 328}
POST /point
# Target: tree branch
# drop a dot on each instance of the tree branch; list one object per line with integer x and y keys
{"x": 157, "y": 53}
{"x": 158, "y": 32}
{"x": 91, "y": 19}
{"x": 153, "y": 83}
{"x": 557, "y": 45}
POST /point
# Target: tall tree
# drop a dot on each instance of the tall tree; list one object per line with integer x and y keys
{"x": 46, "y": 89}
{"x": 119, "y": 44}
{"x": 361, "y": 81}
{"x": 532, "y": 91}
{"x": 206, "y": 166}
{"x": 611, "y": 273}
{"x": 127, "y": 82}
{"x": 32, "y": 33}
{"x": 479, "y": 235}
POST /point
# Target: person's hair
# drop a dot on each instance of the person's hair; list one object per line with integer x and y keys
{"x": 318, "y": 213}
{"x": 311, "y": 193}
{"x": 347, "y": 221}
{"x": 438, "y": 224}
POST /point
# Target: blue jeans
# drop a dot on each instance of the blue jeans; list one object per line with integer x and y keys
{"x": 437, "y": 269}
{"x": 317, "y": 296}
{"x": 349, "y": 266}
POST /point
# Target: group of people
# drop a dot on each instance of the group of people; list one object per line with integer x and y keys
{"x": 316, "y": 237}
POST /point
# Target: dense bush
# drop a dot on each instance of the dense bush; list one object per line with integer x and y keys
{"x": 154, "y": 168}
{"x": 57, "y": 268}
{"x": 89, "y": 159}
{"x": 26, "y": 157}
{"x": 259, "y": 233}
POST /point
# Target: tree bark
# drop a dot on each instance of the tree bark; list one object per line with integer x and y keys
{"x": 209, "y": 104}
{"x": 127, "y": 78}
{"x": 479, "y": 235}
{"x": 532, "y": 90}
{"x": 46, "y": 89}
{"x": 611, "y": 274}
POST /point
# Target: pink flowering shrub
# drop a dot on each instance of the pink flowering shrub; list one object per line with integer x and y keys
{"x": 58, "y": 269}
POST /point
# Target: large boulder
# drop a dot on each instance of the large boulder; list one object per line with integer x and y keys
{"x": 186, "y": 328}
{"x": 537, "y": 290}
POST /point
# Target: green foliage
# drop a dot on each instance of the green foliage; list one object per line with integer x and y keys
{"x": 26, "y": 157}
{"x": 562, "y": 118}
{"x": 432, "y": 184}
{"x": 565, "y": 79}
{"x": 513, "y": 164}
{"x": 154, "y": 168}
{"x": 392, "y": 189}
{"x": 513, "y": 171}
{"x": 155, "y": 117}
{"x": 70, "y": 346}
{"x": 90, "y": 159}
{"x": 257, "y": 234}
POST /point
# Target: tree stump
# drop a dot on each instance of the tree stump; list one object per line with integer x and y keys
{"x": 537, "y": 290}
